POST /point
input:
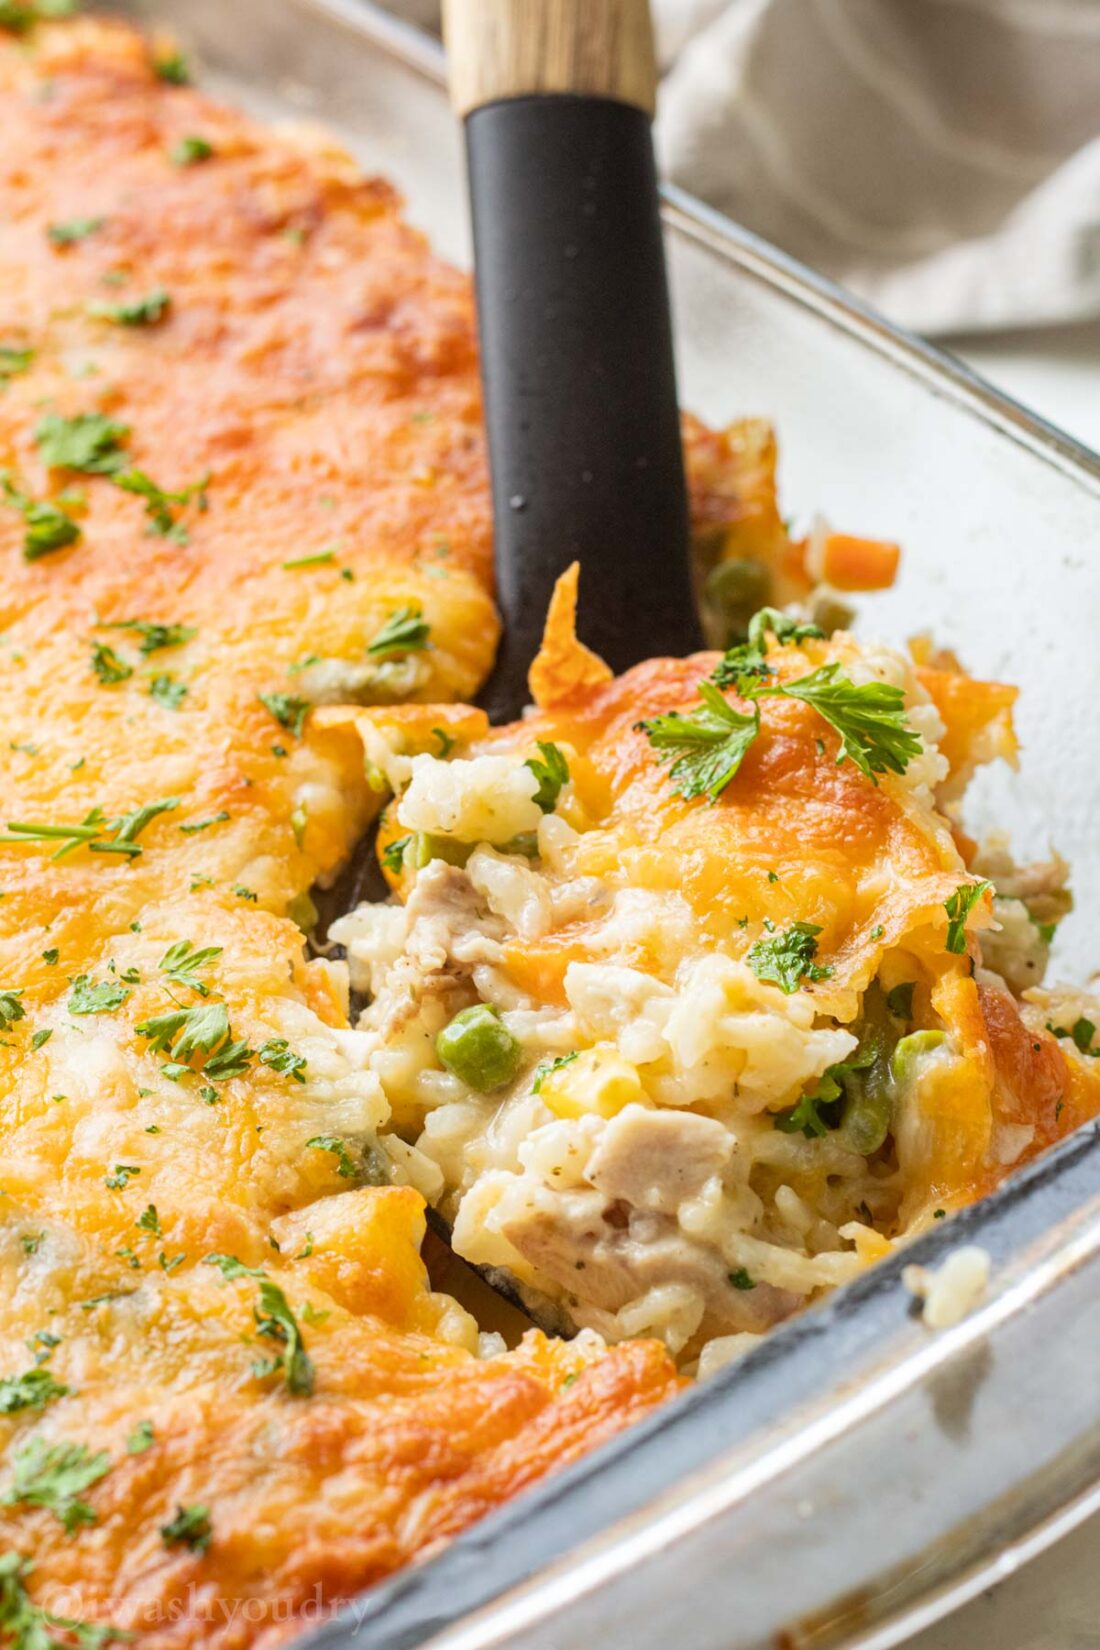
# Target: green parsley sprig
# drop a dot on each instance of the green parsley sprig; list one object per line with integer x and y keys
{"x": 552, "y": 773}
{"x": 23, "y": 1624}
{"x": 706, "y": 746}
{"x": 405, "y": 631}
{"x": 710, "y": 743}
{"x": 786, "y": 959}
{"x": 958, "y": 908}
{"x": 94, "y": 832}
{"x": 55, "y": 1476}
{"x": 275, "y": 1321}
{"x": 47, "y": 527}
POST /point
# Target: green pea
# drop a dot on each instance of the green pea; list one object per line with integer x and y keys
{"x": 830, "y": 613}
{"x": 478, "y": 1048}
{"x": 909, "y": 1050}
{"x": 735, "y": 589}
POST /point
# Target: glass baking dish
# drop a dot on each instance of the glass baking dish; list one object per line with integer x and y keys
{"x": 855, "y": 1477}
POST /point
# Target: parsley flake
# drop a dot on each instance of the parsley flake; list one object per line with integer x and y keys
{"x": 54, "y": 1476}
{"x": 24, "y": 1625}
{"x": 73, "y": 230}
{"x": 167, "y": 691}
{"x": 155, "y": 636}
{"x": 788, "y": 959}
{"x": 288, "y": 711}
{"x": 141, "y": 1439}
{"x": 190, "y": 151}
{"x": 191, "y": 1527}
{"x": 958, "y": 908}
{"x": 139, "y": 312}
{"x": 108, "y": 666}
{"x": 34, "y": 1389}
{"x": 405, "y": 631}
{"x": 552, "y": 772}
{"x": 706, "y": 746}
{"x": 86, "y": 997}
{"x": 89, "y": 442}
{"x": 47, "y": 527}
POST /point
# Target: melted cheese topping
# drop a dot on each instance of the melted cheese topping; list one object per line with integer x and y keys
{"x": 316, "y": 370}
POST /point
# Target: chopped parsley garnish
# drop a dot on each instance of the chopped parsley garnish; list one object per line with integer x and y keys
{"x": 741, "y": 1279}
{"x": 14, "y": 359}
{"x": 405, "y": 631}
{"x": 159, "y": 502}
{"x": 393, "y": 854}
{"x": 40, "y": 1039}
{"x": 50, "y": 957}
{"x": 34, "y": 1389}
{"x": 742, "y": 667}
{"x": 787, "y": 959}
{"x": 108, "y": 666}
{"x": 47, "y": 526}
{"x": 191, "y": 1527}
{"x": 345, "y": 1164}
{"x": 121, "y": 1176}
{"x": 276, "y": 1321}
{"x": 709, "y": 743}
{"x": 89, "y": 442}
{"x": 900, "y": 1000}
{"x": 167, "y": 691}
{"x": 782, "y": 627}
{"x": 446, "y": 742}
{"x": 55, "y": 1476}
{"x": 142, "y": 1438}
{"x": 246, "y": 893}
{"x": 95, "y": 832}
{"x": 958, "y": 908}
{"x": 23, "y": 1625}
{"x": 870, "y": 719}
{"x": 288, "y": 711}
{"x": 190, "y": 150}
{"x": 73, "y": 230}
{"x": 172, "y": 68}
{"x": 11, "y": 1009}
{"x": 154, "y": 636}
{"x": 545, "y": 1067}
{"x": 277, "y": 1054}
{"x": 1081, "y": 1034}
{"x": 149, "y": 1220}
{"x": 139, "y": 312}
{"x": 552, "y": 772}
{"x": 320, "y": 558}
{"x": 184, "y": 1032}
{"x": 706, "y": 746}
{"x": 86, "y": 997}
{"x": 182, "y": 961}
{"x": 190, "y": 827}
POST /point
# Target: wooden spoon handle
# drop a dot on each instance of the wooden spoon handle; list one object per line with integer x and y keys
{"x": 516, "y": 48}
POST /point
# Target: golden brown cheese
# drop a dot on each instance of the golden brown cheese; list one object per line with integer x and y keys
{"x": 800, "y": 837}
{"x": 315, "y": 370}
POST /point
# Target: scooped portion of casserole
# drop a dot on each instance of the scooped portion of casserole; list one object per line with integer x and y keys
{"x": 685, "y": 1014}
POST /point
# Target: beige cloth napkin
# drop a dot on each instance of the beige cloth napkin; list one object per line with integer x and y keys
{"x": 941, "y": 157}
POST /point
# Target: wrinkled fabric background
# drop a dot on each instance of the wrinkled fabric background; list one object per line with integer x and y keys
{"x": 940, "y": 157}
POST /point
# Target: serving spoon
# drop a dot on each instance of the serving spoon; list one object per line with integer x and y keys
{"x": 581, "y": 414}
{"x": 578, "y": 376}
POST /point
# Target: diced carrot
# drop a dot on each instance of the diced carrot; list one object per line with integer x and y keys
{"x": 850, "y": 563}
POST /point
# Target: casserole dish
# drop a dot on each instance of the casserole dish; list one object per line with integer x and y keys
{"x": 758, "y": 1506}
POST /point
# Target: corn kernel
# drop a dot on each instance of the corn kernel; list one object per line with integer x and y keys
{"x": 599, "y": 1082}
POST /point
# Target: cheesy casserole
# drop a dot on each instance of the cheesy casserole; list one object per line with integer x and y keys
{"x": 741, "y": 1046}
